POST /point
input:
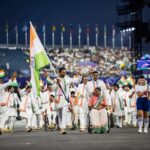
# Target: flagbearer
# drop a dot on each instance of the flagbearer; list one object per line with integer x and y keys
{"x": 62, "y": 91}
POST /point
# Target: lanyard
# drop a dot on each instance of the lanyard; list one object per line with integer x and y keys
{"x": 94, "y": 84}
{"x": 8, "y": 99}
{"x": 65, "y": 85}
{"x": 83, "y": 90}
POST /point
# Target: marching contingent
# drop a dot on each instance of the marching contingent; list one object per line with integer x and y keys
{"x": 82, "y": 102}
{"x": 76, "y": 103}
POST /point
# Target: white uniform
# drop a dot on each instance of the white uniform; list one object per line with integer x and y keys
{"x": 50, "y": 107}
{"x": 27, "y": 108}
{"x": 62, "y": 104}
{"x": 133, "y": 108}
{"x": 44, "y": 98}
{"x": 118, "y": 106}
{"x": 127, "y": 108}
{"x": 83, "y": 93}
{"x": 3, "y": 108}
{"x": 37, "y": 117}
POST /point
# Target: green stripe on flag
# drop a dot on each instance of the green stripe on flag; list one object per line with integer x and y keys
{"x": 41, "y": 60}
{"x": 37, "y": 81}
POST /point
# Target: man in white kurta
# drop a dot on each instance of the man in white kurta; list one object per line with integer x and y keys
{"x": 10, "y": 102}
{"x": 117, "y": 105}
{"x": 62, "y": 98}
{"x": 27, "y": 108}
{"x": 95, "y": 82}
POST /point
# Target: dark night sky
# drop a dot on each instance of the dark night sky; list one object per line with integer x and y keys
{"x": 60, "y": 11}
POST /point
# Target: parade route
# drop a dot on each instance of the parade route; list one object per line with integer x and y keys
{"x": 118, "y": 139}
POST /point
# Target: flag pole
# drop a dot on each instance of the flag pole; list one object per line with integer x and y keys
{"x": 130, "y": 41}
{"x": 53, "y": 35}
{"x": 121, "y": 34}
{"x": 16, "y": 35}
{"x": 70, "y": 36}
{"x": 7, "y": 34}
{"x": 70, "y": 40}
{"x": 79, "y": 36}
{"x": 105, "y": 36}
{"x": 87, "y": 34}
{"x": 96, "y": 36}
{"x": 53, "y": 39}
{"x": 7, "y": 38}
{"x": 44, "y": 35}
{"x": 113, "y": 37}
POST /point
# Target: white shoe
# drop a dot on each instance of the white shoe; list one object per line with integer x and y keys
{"x": 140, "y": 130}
{"x": 145, "y": 130}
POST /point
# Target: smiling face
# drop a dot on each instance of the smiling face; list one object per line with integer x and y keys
{"x": 95, "y": 76}
{"x": 62, "y": 73}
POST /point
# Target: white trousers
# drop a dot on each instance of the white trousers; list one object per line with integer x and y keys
{"x": 62, "y": 116}
{"x": 118, "y": 120}
{"x": 11, "y": 121}
{"x": 83, "y": 120}
{"x": 36, "y": 120}
{"x": 52, "y": 117}
{"x": 134, "y": 118}
{"x": 3, "y": 119}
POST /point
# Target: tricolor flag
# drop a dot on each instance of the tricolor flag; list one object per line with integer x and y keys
{"x": 122, "y": 81}
{"x": 2, "y": 73}
{"x": 130, "y": 80}
{"x": 38, "y": 59}
{"x": 14, "y": 83}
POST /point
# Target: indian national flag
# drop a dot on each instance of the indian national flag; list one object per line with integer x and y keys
{"x": 130, "y": 80}
{"x": 38, "y": 59}
{"x": 2, "y": 73}
{"x": 121, "y": 82}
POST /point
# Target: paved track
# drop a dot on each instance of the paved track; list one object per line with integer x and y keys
{"x": 117, "y": 139}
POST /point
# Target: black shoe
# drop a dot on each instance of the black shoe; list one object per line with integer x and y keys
{"x": 29, "y": 130}
{"x": 1, "y": 132}
{"x": 63, "y": 132}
